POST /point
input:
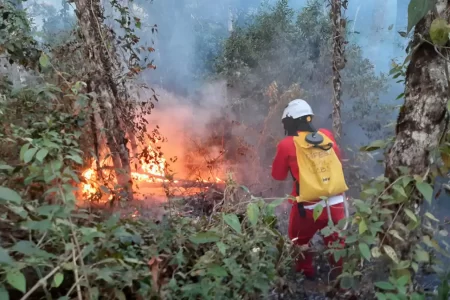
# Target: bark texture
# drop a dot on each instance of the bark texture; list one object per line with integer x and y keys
{"x": 103, "y": 65}
{"x": 422, "y": 118}
{"x": 338, "y": 63}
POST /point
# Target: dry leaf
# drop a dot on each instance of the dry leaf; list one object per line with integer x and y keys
{"x": 391, "y": 253}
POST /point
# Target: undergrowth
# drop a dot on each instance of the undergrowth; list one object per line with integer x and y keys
{"x": 52, "y": 248}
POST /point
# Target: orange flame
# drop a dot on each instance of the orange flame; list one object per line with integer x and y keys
{"x": 153, "y": 172}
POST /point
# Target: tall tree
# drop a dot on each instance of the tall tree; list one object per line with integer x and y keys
{"x": 104, "y": 84}
{"x": 338, "y": 61}
{"x": 422, "y": 119}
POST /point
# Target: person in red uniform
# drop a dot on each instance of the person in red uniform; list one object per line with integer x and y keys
{"x": 297, "y": 117}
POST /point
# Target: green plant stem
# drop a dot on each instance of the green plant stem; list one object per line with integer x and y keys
{"x": 392, "y": 223}
{"x": 76, "y": 284}
{"x": 43, "y": 280}
{"x": 75, "y": 273}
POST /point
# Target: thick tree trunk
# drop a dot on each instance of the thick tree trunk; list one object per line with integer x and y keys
{"x": 102, "y": 64}
{"x": 422, "y": 118}
{"x": 421, "y": 121}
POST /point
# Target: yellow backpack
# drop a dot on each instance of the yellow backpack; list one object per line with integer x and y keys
{"x": 321, "y": 173}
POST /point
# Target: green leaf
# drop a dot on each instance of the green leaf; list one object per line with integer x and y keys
{"x": 43, "y": 60}
{"x": 384, "y": 285}
{"x": 391, "y": 253}
{"x": 370, "y": 191}
{"x": 439, "y": 31}
{"x": 362, "y": 226}
{"x": 58, "y": 279}
{"x": 318, "y": 209}
{"x": 253, "y": 213}
{"x": 417, "y": 296}
{"x": 380, "y": 296}
{"x": 25, "y": 247}
{"x": 16, "y": 279}
{"x": 426, "y": 190}
{"x": 205, "y": 237}
{"x": 222, "y": 247}
{"x": 4, "y": 295}
{"x": 395, "y": 234}
{"x": 402, "y": 265}
{"x": 417, "y": 9}
{"x": 42, "y": 153}
{"x": 410, "y": 214}
{"x": 9, "y": 195}
{"x": 415, "y": 266}
{"x": 365, "y": 251}
{"x": 6, "y": 167}
{"x": 400, "y": 190}
{"x": 75, "y": 158}
{"x": 245, "y": 189}
{"x": 346, "y": 282}
{"x": 276, "y": 203}
{"x": 29, "y": 154}
{"x": 23, "y": 149}
{"x": 375, "y": 145}
{"x": 392, "y": 296}
{"x": 5, "y": 258}
{"x": 432, "y": 217}
{"x": 402, "y": 281}
{"x": 217, "y": 271}
{"x": 422, "y": 256}
{"x": 233, "y": 221}
{"x": 119, "y": 295}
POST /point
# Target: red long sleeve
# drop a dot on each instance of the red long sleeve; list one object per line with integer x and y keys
{"x": 280, "y": 166}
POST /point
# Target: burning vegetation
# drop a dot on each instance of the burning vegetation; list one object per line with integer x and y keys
{"x": 163, "y": 169}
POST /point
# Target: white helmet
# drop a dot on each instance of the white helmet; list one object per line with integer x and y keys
{"x": 296, "y": 109}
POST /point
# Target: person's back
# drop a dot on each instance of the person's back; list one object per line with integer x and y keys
{"x": 285, "y": 162}
{"x": 296, "y": 119}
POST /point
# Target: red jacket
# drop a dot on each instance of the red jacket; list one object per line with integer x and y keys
{"x": 286, "y": 159}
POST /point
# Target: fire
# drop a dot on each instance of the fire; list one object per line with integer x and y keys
{"x": 154, "y": 168}
{"x": 152, "y": 172}
{"x": 88, "y": 188}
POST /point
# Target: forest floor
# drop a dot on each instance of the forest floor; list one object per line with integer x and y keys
{"x": 295, "y": 287}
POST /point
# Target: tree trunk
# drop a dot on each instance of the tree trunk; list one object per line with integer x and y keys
{"x": 102, "y": 63}
{"x": 421, "y": 122}
{"x": 338, "y": 63}
{"x": 422, "y": 119}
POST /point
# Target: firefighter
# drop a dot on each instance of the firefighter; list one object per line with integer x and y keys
{"x": 296, "y": 120}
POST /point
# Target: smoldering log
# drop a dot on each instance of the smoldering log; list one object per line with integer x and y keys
{"x": 183, "y": 183}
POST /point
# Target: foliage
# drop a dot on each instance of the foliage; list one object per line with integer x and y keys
{"x": 208, "y": 257}
{"x": 17, "y": 41}
{"x": 389, "y": 226}
{"x": 179, "y": 258}
{"x": 56, "y": 27}
{"x": 417, "y": 9}
{"x": 75, "y": 251}
{"x": 52, "y": 248}
{"x": 275, "y": 45}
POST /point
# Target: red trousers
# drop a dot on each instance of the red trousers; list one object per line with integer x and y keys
{"x": 304, "y": 229}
